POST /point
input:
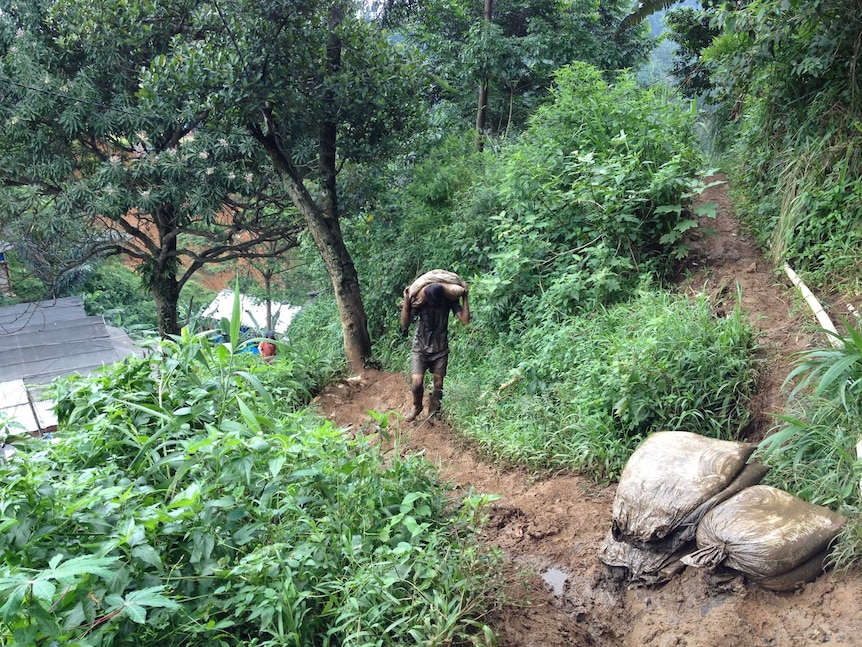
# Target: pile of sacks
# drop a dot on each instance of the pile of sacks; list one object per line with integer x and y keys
{"x": 685, "y": 499}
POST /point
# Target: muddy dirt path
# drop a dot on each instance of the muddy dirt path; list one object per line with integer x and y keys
{"x": 551, "y": 530}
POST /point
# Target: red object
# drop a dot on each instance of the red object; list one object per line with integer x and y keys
{"x": 267, "y": 349}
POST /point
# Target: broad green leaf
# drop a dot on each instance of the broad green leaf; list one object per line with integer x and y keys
{"x": 187, "y": 497}
{"x": 708, "y": 210}
{"x": 412, "y": 526}
{"x": 275, "y": 464}
{"x": 248, "y": 415}
{"x": 409, "y": 500}
{"x": 685, "y": 225}
{"x": 5, "y": 524}
{"x": 43, "y": 590}
{"x": 135, "y": 613}
{"x": 75, "y": 618}
{"x": 152, "y": 597}
{"x": 260, "y": 388}
{"x": 148, "y": 555}
{"x": 13, "y": 602}
{"x": 85, "y": 564}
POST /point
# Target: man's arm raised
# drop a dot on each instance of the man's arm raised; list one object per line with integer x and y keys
{"x": 406, "y": 309}
{"x": 464, "y": 314}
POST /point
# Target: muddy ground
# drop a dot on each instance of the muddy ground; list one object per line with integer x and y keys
{"x": 551, "y": 529}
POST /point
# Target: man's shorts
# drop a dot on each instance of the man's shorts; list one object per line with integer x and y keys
{"x": 421, "y": 363}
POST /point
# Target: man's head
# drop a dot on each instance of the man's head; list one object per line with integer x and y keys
{"x": 434, "y": 295}
{"x": 270, "y": 334}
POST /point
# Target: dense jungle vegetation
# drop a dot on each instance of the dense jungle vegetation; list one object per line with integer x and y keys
{"x": 189, "y": 497}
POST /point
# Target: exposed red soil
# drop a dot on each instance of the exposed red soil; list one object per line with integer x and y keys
{"x": 557, "y": 524}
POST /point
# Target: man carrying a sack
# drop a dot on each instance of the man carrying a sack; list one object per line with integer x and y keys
{"x": 432, "y": 304}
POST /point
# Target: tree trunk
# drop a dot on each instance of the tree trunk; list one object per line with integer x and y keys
{"x": 482, "y": 107}
{"x": 161, "y": 273}
{"x": 325, "y": 229}
{"x": 326, "y": 232}
{"x": 267, "y": 286}
{"x": 322, "y": 219}
{"x": 481, "y": 111}
{"x": 166, "y": 293}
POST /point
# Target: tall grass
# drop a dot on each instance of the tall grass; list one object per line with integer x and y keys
{"x": 814, "y": 450}
{"x": 581, "y": 395}
{"x": 813, "y": 453}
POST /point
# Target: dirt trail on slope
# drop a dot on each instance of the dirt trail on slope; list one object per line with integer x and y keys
{"x": 552, "y": 529}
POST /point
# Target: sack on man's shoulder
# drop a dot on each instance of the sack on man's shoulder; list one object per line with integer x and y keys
{"x": 453, "y": 285}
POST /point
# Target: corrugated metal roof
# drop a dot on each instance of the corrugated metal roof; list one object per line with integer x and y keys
{"x": 47, "y": 339}
{"x": 43, "y": 340}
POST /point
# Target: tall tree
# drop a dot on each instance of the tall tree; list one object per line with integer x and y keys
{"x": 144, "y": 178}
{"x": 692, "y": 30}
{"x": 512, "y": 49}
{"x": 317, "y": 85}
{"x": 482, "y": 108}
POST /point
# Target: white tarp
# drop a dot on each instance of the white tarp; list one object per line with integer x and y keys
{"x": 253, "y": 311}
{"x": 34, "y": 415}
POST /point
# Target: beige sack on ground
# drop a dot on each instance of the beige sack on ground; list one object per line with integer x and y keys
{"x": 766, "y": 533}
{"x": 750, "y": 474}
{"x": 453, "y": 285}
{"x": 667, "y": 478}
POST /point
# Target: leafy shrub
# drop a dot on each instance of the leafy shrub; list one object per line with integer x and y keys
{"x": 813, "y": 453}
{"x": 580, "y": 393}
{"x": 316, "y": 336}
{"x": 115, "y": 292}
{"x": 183, "y": 503}
{"x": 593, "y": 196}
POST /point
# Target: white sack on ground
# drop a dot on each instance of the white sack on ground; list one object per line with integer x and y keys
{"x": 453, "y": 285}
{"x": 765, "y": 533}
{"x": 667, "y": 478}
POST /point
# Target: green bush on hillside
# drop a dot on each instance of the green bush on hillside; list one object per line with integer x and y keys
{"x": 182, "y": 502}
{"x": 115, "y": 292}
{"x": 784, "y": 73}
{"x": 593, "y": 197}
{"x": 568, "y": 216}
{"x": 582, "y": 394}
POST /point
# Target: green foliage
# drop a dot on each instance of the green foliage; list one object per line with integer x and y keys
{"x": 592, "y": 198}
{"x": 316, "y": 334}
{"x": 582, "y": 392}
{"x": 813, "y": 452}
{"x": 405, "y": 232}
{"x": 784, "y": 72}
{"x": 117, "y": 293}
{"x": 187, "y": 499}
{"x": 691, "y": 29}
{"x": 516, "y": 53}
{"x": 25, "y": 286}
{"x": 564, "y": 219}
